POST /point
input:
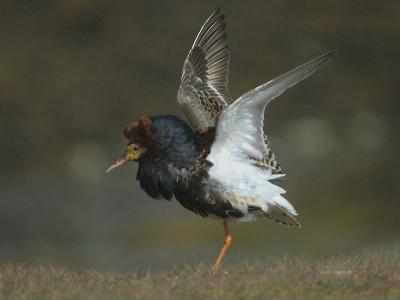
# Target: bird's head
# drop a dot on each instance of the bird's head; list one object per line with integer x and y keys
{"x": 140, "y": 136}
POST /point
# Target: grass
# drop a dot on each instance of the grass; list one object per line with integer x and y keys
{"x": 373, "y": 275}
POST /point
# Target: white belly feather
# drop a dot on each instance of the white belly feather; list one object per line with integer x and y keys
{"x": 248, "y": 186}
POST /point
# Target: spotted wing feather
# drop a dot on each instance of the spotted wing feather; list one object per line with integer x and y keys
{"x": 269, "y": 162}
{"x": 203, "y": 92}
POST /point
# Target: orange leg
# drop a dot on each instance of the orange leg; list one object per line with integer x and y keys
{"x": 228, "y": 241}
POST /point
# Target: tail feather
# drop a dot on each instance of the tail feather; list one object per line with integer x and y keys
{"x": 281, "y": 215}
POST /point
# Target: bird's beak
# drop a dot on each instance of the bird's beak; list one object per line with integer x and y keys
{"x": 118, "y": 163}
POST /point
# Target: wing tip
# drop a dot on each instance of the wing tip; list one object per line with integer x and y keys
{"x": 331, "y": 53}
{"x": 322, "y": 59}
{"x": 217, "y": 11}
{"x": 216, "y": 16}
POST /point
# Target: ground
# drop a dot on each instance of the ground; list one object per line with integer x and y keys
{"x": 372, "y": 275}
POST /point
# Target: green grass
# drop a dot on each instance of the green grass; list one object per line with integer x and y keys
{"x": 373, "y": 275}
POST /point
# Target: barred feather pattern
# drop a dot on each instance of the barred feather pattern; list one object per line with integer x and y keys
{"x": 269, "y": 162}
{"x": 203, "y": 92}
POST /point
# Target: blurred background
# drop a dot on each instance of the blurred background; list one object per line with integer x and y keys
{"x": 74, "y": 73}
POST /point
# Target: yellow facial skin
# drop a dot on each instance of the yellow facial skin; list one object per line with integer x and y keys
{"x": 133, "y": 152}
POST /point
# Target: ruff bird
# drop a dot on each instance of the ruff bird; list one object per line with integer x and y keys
{"x": 222, "y": 165}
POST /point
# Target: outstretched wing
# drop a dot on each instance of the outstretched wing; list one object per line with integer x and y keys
{"x": 203, "y": 92}
{"x": 240, "y": 142}
{"x": 240, "y": 133}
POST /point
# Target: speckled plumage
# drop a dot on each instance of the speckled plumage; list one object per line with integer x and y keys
{"x": 203, "y": 93}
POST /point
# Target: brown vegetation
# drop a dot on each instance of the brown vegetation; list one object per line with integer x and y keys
{"x": 367, "y": 276}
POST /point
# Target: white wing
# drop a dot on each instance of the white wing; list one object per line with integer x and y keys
{"x": 240, "y": 128}
{"x": 240, "y": 142}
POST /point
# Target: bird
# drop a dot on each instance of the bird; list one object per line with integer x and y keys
{"x": 220, "y": 164}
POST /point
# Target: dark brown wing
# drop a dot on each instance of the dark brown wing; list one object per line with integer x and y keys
{"x": 203, "y": 92}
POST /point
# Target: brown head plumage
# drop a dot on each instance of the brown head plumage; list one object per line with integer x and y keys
{"x": 140, "y": 132}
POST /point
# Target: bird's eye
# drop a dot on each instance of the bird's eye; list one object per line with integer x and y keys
{"x": 135, "y": 148}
